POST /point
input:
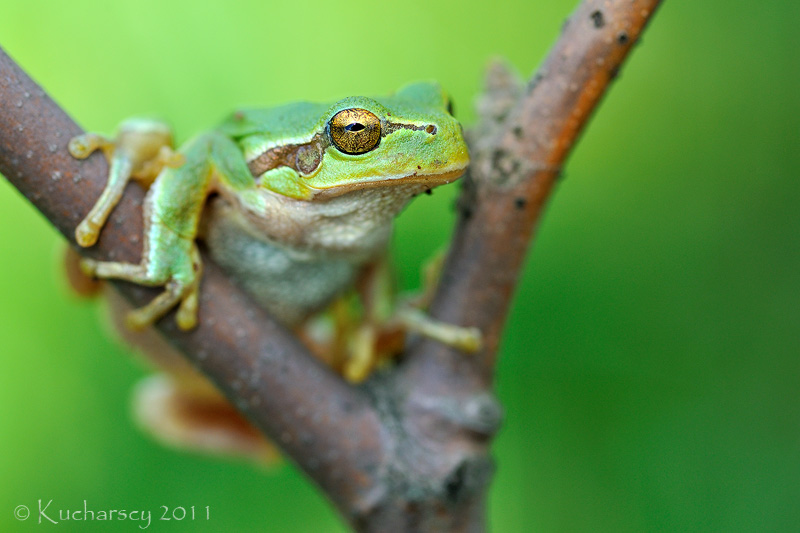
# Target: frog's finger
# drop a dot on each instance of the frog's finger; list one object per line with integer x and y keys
{"x": 104, "y": 269}
{"x": 170, "y": 158}
{"x": 139, "y": 319}
{"x": 187, "y": 312}
{"x": 466, "y": 339}
{"x": 82, "y": 146}
{"x": 88, "y": 230}
{"x": 363, "y": 357}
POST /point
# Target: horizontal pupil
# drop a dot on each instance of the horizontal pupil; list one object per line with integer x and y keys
{"x": 357, "y": 126}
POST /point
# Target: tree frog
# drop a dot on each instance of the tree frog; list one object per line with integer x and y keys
{"x": 295, "y": 202}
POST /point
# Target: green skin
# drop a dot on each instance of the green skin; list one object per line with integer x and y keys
{"x": 284, "y": 193}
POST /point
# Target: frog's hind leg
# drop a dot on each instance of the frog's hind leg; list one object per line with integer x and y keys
{"x": 178, "y": 406}
{"x": 81, "y": 284}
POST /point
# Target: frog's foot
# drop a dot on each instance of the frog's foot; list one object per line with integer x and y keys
{"x": 182, "y": 289}
{"x": 363, "y": 356}
{"x": 82, "y": 146}
{"x": 196, "y": 417}
{"x": 372, "y": 344}
{"x": 140, "y": 150}
{"x": 466, "y": 339}
{"x": 411, "y": 317}
{"x": 81, "y": 284}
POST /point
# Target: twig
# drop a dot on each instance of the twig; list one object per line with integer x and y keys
{"x": 407, "y": 451}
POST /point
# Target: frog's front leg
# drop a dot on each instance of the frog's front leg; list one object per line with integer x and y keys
{"x": 140, "y": 150}
{"x": 172, "y": 210}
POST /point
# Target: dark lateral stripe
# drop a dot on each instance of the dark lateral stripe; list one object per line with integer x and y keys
{"x": 286, "y": 155}
{"x": 392, "y": 127}
{"x": 282, "y": 156}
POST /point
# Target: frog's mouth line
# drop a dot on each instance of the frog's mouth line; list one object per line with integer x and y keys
{"x": 425, "y": 181}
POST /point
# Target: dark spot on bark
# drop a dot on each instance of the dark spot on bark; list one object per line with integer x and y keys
{"x": 497, "y": 157}
{"x": 466, "y": 200}
{"x": 614, "y": 72}
{"x": 454, "y": 484}
{"x": 504, "y": 166}
{"x": 520, "y": 203}
{"x": 517, "y": 131}
{"x": 598, "y": 19}
{"x": 622, "y": 37}
{"x": 428, "y": 192}
{"x": 535, "y": 81}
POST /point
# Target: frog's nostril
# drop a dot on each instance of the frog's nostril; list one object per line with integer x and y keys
{"x": 430, "y": 128}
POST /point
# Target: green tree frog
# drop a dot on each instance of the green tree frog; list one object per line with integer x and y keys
{"x": 294, "y": 202}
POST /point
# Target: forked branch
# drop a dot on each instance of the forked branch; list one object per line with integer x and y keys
{"x": 408, "y": 450}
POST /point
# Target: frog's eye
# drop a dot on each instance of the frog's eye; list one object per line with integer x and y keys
{"x": 355, "y": 131}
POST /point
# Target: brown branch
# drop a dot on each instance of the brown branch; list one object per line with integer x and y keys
{"x": 408, "y": 451}
{"x": 517, "y": 152}
{"x": 519, "y": 156}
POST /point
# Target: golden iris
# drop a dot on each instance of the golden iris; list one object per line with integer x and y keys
{"x": 355, "y": 131}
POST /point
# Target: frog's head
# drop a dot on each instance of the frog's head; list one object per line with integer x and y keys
{"x": 359, "y": 142}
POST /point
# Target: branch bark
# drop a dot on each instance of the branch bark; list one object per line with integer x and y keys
{"x": 409, "y": 449}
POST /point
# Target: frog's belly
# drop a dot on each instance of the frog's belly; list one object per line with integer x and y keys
{"x": 288, "y": 283}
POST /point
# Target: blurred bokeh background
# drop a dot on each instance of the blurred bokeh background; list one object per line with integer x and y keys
{"x": 651, "y": 367}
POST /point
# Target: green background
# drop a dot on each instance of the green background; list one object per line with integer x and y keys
{"x": 651, "y": 365}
